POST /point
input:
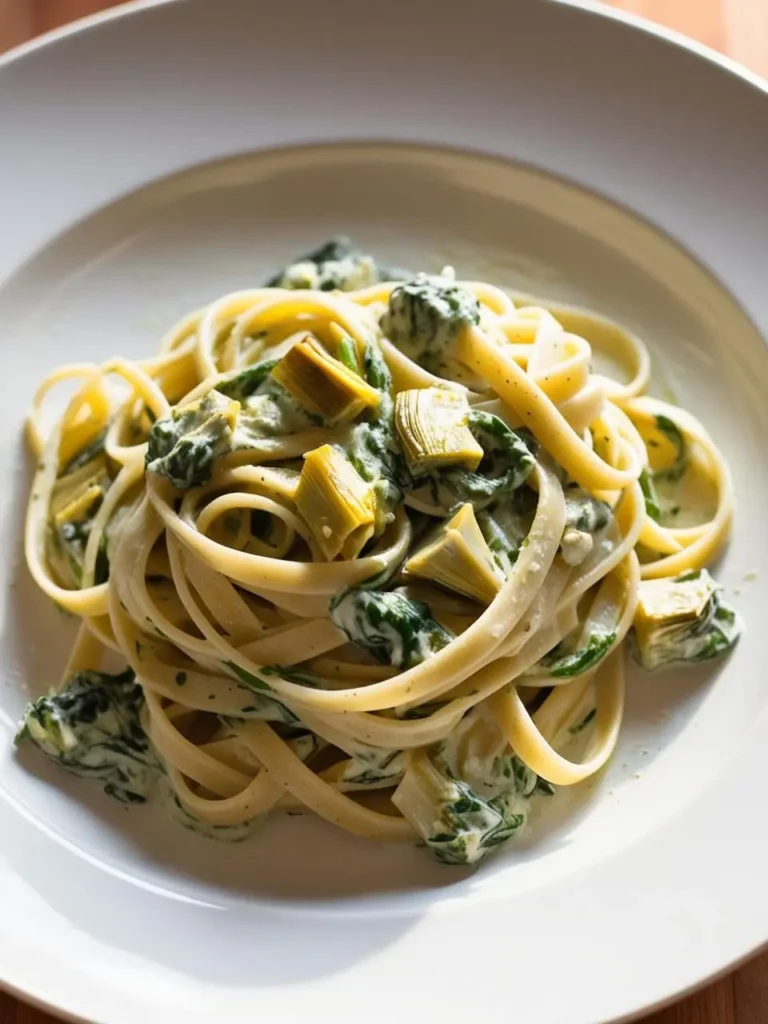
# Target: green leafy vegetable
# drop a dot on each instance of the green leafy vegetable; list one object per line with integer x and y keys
{"x": 585, "y": 513}
{"x": 506, "y": 525}
{"x": 184, "y": 446}
{"x": 673, "y": 434}
{"x": 647, "y": 486}
{"x": 92, "y": 728}
{"x": 585, "y": 518}
{"x": 251, "y": 680}
{"x": 582, "y": 725}
{"x": 373, "y": 448}
{"x": 469, "y": 795}
{"x": 506, "y": 465}
{"x": 334, "y": 266}
{"x": 575, "y": 663}
{"x": 248, "y": 381}
{"x": 374, "y": 766}
{"x": 237, "y": 414}
{"x": 394, "y": 629}
{"x": 426, "y": 314}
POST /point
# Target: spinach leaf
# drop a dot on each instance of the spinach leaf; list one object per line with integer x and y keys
{"x": 469, "y": 795}
{"x": 506, "y": 525}
{"x": 506, "y": 465}
{"x": 585, "y": 517}
{"x": 565, "y": 666}
{"x": 647, "y": 486}
{"x": 92, "y": 728}
{"x": 375, "y": 766}
{"x": 472, "y": 827}
{"x": 184, "y": 446}
{"x": 373, "y": 448}
{"x": 334, "y": 266}
{"x": 673, "y": 433}
{"x": 426, "y": 314}
{"x": 585, "y": 513}
{"x": 248, "y": 381}
{"x": 394, "y": 629}
{"x": 582, "y": 725}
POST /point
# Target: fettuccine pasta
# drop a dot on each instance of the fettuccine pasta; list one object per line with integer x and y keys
{"x": 369, "y": 545}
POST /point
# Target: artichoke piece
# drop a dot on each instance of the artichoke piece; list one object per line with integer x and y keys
{"x": 322, "y": 384}
{"x": 683, "y": 619}
{"x": 336, "y": 503}
{"x": 432, "y": 425}
{"x": 75, "y": 500}
{"x": 457, "y": 556}
{"x": 75, "y": 493}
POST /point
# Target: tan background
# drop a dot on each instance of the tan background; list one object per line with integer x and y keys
{"x": 738, "y": 28}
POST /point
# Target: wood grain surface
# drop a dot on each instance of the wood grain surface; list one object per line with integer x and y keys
{"x": 736, "y": 27}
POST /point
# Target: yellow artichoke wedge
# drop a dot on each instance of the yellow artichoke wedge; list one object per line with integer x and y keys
{"x": 432, "y": 424}
{"x": 336, "y": 503}
{"x": 322, "y": 384}
{"x": 457, "y": 556}
{"x": 74, "y": 494}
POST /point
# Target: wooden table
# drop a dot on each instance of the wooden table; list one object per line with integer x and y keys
{"x": 738, "y": 28}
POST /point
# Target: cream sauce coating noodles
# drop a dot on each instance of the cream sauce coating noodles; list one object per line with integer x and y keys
{"x": 372, "y": 549}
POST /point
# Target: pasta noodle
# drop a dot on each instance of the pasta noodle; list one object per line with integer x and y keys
{"x": 370, "y": 546}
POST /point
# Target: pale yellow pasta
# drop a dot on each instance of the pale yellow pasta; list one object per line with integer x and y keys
{"x": 257, "y": 696}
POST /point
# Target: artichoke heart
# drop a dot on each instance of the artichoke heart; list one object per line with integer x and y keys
{"x": 82, "y": 506}
{"x": 74, "y": 494}
{"x": 336, "y": 503}
{"x": 322, "y": 384}
{"x": 458, "y": 557}
{"x": 683, "y": 619}
{"x": 432, "y": 424}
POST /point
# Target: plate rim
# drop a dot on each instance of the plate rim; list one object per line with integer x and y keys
{"x": 592, "y": 8}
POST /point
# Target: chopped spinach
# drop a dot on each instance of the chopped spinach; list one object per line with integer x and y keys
{"x": 472, "y": 826}
{"x": 247, "y": 381}
{"x": 469, "y": 795}
{"x": 237, "y": 414}
{"x": 585, "y": 517}
{"x": 394, "y": 629}
{"x": 582, "y": 725}
{"x": 334, "y": 266}
{"x": 575, "y": 663}
{"x": 253, "y": 681}
{"x": 92, "y": 728}
{"x": 374, "y": 448}
{"x": 426, "y": 314}
{"x": 505, "y": 526}
{"x": 674, "y": 434}
{"x": 184, "y": 446}
{"x": 585, "y": 513}
{"x": 647, "y": 486}
{"x": 506, "y": 465}
{"x": 375, "y": 766}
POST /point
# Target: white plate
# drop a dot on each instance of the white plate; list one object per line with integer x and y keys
{"x": 164, "y": 154}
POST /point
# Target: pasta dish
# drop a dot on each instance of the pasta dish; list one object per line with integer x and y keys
{"x": 371, "y": 545}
